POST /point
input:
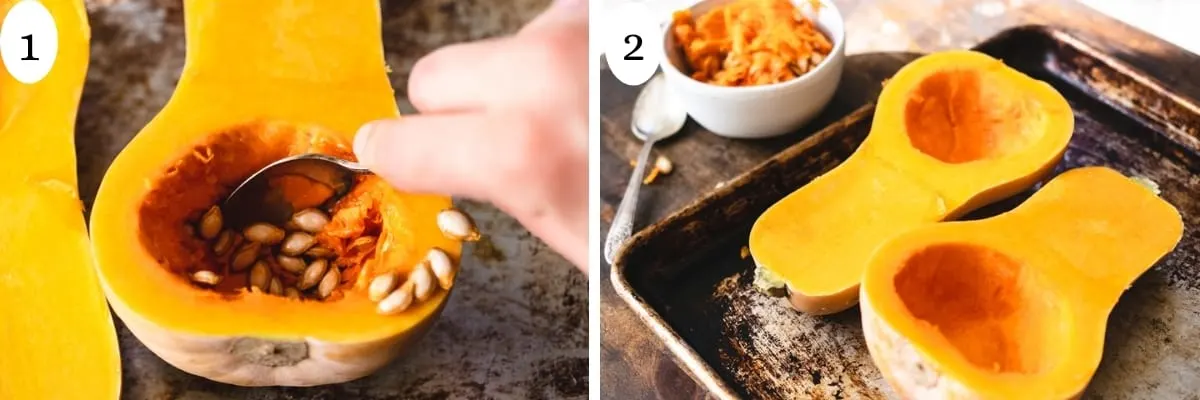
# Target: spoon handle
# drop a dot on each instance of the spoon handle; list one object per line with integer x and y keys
{"x": 622, "y": 225}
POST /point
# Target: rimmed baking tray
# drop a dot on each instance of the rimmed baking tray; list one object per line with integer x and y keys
{"x": 686, "y": 278}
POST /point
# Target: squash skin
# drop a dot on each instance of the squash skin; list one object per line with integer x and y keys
{"x": 1078, "y": 253}
{"x": 56, "y": 322}
{"x": 304, "y": 63}
{"x": 817, "y": 239}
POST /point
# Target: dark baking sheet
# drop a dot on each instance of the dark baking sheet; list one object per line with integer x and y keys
{"x": 686, "y": 279}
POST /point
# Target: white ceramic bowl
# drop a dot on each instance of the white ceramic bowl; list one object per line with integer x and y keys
{"x": 763, "y": 111}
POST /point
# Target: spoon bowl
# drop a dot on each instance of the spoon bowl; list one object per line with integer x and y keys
{"x": 257, "y": 200}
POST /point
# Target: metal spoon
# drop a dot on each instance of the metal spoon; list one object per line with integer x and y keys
{"x": 656, "y": 115}
{"x": 255, "y": 200}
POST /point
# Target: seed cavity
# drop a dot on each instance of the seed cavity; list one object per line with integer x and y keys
{"x": 457, "y": 225}
{"x": 442, "y": 267}
{"x": 211, "y": 223}
{"x": 291, "y": 293}
{"x": 264, "y": 233}
{"x": 310, "y": 220}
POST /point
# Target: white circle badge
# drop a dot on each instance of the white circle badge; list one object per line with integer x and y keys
{"x": 632, "y": 43}
{"x": 28, "y": 41}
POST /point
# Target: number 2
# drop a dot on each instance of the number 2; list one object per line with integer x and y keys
{"x": 29, "y": 45}
{"x": 637, "y": 46}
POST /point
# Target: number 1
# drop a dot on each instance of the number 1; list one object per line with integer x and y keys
{"x": 29, "y": 45}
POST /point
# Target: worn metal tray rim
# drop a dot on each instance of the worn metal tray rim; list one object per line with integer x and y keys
{"x": 695, "y": 366}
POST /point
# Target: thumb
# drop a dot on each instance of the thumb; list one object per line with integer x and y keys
{"x": 437, "y": 154}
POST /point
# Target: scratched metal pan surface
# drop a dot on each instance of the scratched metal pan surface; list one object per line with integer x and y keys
{"x": 685, "y": 277}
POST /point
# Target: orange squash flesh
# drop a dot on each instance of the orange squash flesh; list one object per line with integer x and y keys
{"x": 952, "y": 131}
{"x": 262, "y": 80}
{"x": 56, "y": 327}
{"x": 1014, "y": 306}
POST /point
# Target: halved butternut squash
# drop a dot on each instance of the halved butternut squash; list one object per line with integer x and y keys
{"x": 952, "y": 131}
{"x": 257, "y": 304}
{"x": 1013, "y": 306}
{"x": 57, "y": 337}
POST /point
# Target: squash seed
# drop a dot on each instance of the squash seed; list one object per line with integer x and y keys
{"x": 310, "y": 220}
{"x": 260, "y": 276}
{"x": 381, "y": 286}
{"x": 457, "y": 225}
{"x": 296, "y": 243}
{"x": 313, "y": 274}
{"x": 245, "y": 256}
{"x": 211, "y": 222}
{"x": 331, "y": 280}
{"x": 291, "y": 264}
{"x": 224, "y": 243}
{"x": 422, "y": 281}
{"x": 291, "y": 293}
{"x": 398, "y": 301}
{"x": 276, "y": 287}
{"x": 441, "y": 266}
{"x": 319, "y": 252}
{"x": 206, "y": 277}
{"x": 264, "y": 233}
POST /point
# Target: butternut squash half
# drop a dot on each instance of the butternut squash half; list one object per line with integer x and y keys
{"x": 55, "y": 323}
{"x": 952, "y": 131}
{"x": 1014, "y": 306}
{"x": 264, "y": 80}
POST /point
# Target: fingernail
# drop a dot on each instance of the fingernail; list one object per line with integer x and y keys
{"x": 362, "y": 140}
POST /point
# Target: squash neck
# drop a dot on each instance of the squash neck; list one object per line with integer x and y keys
{"x": 283, "y": 42}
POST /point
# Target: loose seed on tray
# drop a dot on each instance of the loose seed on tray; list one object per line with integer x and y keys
{"x": 310, "y": 220}
{"x": 313, "y": 274}
{"x": 457, "y": 225}
{"x": 260, "y": 276}
{"x": 441, "y": 266}
{"x": 422, "y": 281}
{"x": 276, "y": 287}
{"x": 224, "y": 243}
{"x": 292, "y": 293}
{"x": 296, "y": 243}
{"x": 319, "y": 252}
{"x": 291, "y": 264}
{"x": 264, "y": 233}
{"x": 397, "y": 301}
{"x": 211, "y": 222}
{"x": 329, "y": 282}
{"x": 206, "y": 277}
{"x": 381, "y": 286}
{"x": 245, "y": 256}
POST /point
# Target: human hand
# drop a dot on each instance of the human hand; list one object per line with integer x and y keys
{"x": 502, "y": 120}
